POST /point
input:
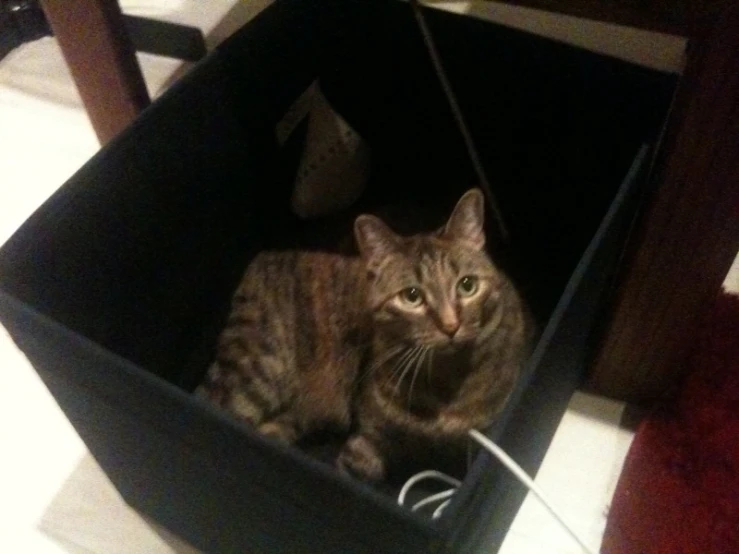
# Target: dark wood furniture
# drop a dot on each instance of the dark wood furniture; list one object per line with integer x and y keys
{"x": 688, "y": 235}
{"x": 101, "y": 58}
{"x": 99, "y": 44}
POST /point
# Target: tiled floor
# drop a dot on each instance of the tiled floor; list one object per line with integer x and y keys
{"x": 53, "y": 497}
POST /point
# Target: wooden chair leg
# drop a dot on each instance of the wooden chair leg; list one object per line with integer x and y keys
{"x": 101, "y": 58}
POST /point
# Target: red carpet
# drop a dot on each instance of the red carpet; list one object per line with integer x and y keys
{"x": 679, "y": 490}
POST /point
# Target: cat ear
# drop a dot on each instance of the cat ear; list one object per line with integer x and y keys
{"x": 374, "y": 238}
{"x": 467, "y": 220}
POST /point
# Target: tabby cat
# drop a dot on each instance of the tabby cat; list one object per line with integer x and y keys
{"x": 415, "y": 341}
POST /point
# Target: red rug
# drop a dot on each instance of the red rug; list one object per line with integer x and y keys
{"x": 679, "y": 489}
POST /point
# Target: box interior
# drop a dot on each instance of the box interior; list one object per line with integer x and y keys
{"x": 140, "y": 251}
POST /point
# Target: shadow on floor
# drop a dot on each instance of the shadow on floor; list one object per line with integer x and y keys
{"x": 88, "y": 516}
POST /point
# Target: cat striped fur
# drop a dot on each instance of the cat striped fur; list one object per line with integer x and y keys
{"x": 415, "y": 341}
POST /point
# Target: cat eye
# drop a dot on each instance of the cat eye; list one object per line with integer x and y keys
{"x": 411, "y": 296}
{"x": 468, "y": 285}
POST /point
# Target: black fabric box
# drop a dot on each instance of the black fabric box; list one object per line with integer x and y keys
{"x": 117, "y": 286}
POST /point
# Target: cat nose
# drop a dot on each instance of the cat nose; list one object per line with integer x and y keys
{"x": 449, "y": 326}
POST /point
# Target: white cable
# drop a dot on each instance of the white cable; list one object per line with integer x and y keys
{"x": 507, "y": 461}
{"x": 521, "y": 475}
{"x": 428, "y": 474}
{"x": 443, "y": 495}
{"x": 438, "y": 511}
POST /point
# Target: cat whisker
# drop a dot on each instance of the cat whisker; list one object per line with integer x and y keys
{"x": 386, "y": 357}
{"x": 419, "y": 365}
{"x": 418, "y": 350}
{"x": 400, "y": 364}
{"x": 430, "y": 364}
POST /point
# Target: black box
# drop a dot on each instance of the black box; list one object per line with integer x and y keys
{"x": 116, "y": 287}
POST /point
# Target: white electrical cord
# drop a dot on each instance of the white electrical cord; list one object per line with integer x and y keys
{"x": 522, "y": 476}
{"x": 508, "y": 462}
{"x": 443, "y": 495}
{"x": 428, "y": 474}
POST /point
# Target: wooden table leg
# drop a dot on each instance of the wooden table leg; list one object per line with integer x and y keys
{"x": 688, "y": 236}
{"x": 100, "y": 55}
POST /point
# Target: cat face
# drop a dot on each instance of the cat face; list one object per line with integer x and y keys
{"x": 435, "y": 289}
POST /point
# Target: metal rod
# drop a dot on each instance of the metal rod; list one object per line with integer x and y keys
{"x": 459, "y": 117}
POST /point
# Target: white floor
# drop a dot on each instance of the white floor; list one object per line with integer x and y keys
{"x": 53, "y": 497}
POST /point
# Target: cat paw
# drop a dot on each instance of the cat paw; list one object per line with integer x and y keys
{"x": 279, "y": 431}
{"x": 360, "y": 458}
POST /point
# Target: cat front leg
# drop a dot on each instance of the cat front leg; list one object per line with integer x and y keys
{"x": 477, "y": 404}
{"x": 456, "y": 421}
